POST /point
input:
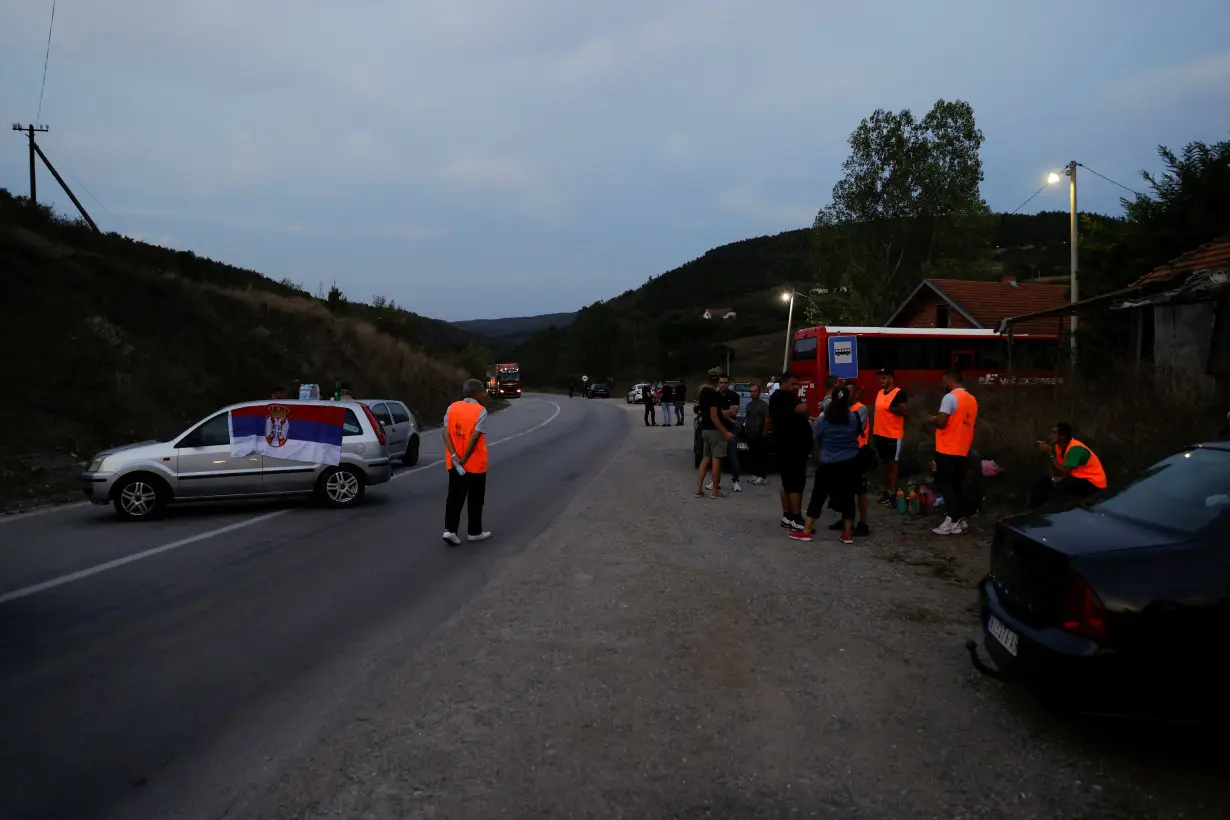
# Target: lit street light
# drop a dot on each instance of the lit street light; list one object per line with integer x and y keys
{"x": 788, "y": 296}
{"x": 1052, "y": 179}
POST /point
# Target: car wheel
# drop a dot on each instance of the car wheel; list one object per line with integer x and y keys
{"x": 139, "y": 497}
{"x": 411, "y": 456}
{"x": 340, "y": 487}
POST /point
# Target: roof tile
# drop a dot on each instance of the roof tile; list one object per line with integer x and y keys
{"x": 1215, "y": 254}
{"x": 989, "y": 303}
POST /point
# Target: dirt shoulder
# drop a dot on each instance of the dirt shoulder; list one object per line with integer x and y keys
{"x": 654, "y": 655}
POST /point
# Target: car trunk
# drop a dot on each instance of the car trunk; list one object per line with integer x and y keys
{"x": 1030, "y": 577}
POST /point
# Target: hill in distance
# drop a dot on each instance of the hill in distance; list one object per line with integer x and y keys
{"x": 515, "y": 329}
{"x": 656, "y": 330}
{"x": 128, "y": 341}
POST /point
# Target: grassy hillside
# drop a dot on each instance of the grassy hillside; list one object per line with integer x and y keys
{"x": 515, "y": 329}
{"x": 110, "y": 341}
{"x": 657, "y": 328}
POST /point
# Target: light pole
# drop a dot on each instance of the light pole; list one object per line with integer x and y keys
{"x": 1074, "y": 258}
{"x": 788, "y": 296}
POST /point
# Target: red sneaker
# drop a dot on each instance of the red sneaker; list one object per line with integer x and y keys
{"x": 800, "y": 535}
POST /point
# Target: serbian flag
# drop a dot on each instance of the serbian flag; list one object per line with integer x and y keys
{"x": 299, "y": 432}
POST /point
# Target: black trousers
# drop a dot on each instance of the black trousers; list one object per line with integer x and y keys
{"x": 650, "y": 416}
{"x": 754, "y": 457}
{"x": 1066, "y": 490}
{"x": 471, "y": 487}
{"x": 838, "y": 481}
{"x": 950, "y": 482}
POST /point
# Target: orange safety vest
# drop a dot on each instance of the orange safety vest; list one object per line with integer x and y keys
{"x": 862, "y": 434}
{"x": 886, "y": 424}
{"x": 957, "y": 437}
{"x": 462, "y": 417}
{"x": 1091, "y": 470}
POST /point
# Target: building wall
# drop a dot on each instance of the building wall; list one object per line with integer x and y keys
{"x": 921, "y": 312}
{"x": 1181, "y": 338}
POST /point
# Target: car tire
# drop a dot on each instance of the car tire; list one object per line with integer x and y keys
{"x": 411, "y": 456}
{"x": 140, "y": 497}
{"x": 340, "y": 487}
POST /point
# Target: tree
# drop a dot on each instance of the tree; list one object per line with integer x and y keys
{"x": 908, "y": 206}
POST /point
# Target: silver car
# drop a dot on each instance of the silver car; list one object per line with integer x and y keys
{"x": 400, "y": 426}
{"x": 197, "y": 465}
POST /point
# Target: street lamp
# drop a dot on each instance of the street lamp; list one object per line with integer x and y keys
{"x": 788, "y": 296}
{"x": 1052, "y": 179}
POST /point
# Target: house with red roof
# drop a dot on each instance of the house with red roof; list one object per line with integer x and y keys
{"x": 968, "y": 303}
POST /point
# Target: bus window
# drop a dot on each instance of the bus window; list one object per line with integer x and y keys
{"x": 962, "y": 360}
{"x": 1035, "y": 354}
{"x": 991, "y": 354}
{"x": 804, "y": 349}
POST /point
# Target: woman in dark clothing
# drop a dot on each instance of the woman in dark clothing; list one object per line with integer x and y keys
{"x": 838, "y": 474}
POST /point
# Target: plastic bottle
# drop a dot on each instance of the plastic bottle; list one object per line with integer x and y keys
{"x": 900, "y": 501}
{"x": 913, "y": 501}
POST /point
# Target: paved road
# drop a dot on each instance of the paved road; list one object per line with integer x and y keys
{"x": 143, "y": 683}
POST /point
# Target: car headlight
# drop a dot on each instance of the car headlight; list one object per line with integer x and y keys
{"x": 96, "y": 465}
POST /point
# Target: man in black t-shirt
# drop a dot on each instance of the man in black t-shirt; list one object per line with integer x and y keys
{"x": 647, "y": 400}
{"x": 793, "y": 437}
{"x": 715, "y": 438}
{"x": 668, "y": 401}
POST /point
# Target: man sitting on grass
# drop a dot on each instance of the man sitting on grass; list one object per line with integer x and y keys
{"x": 1076, "y": 472}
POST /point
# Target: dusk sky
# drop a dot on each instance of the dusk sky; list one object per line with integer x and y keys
{"x": 478, "y": 159}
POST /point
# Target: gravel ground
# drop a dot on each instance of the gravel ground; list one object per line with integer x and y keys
{"x": 655, "y": 655}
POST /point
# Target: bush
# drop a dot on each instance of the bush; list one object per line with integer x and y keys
{"x": 1130, "y": 422}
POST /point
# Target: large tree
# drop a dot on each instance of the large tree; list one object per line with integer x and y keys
{"x": 907, "y": 207}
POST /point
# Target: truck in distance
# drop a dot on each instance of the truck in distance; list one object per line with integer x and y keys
{"x": 504, "y": 380}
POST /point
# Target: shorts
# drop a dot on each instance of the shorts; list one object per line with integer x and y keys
{"x": 713, "y": 444}
{"x": 888, "y": 449}
{"x": 794, "y": 474}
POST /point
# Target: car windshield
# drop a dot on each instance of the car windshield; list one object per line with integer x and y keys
{"x": 595, "y": 387}
{"x": 1184, "y": 493}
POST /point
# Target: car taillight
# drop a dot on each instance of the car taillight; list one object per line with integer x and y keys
{"x": 376, "y": 425}
{"x": 1083, "y": 613}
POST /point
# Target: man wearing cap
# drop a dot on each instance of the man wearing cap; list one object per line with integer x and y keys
{"x": 888, "y": 431}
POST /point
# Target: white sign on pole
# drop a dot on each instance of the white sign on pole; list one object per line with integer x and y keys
{"x": 585, "y": 378}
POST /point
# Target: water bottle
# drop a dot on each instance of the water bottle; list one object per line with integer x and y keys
{"x": 900, "y": 501}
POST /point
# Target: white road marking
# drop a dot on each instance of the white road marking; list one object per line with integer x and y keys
{"x": 192, "y": 539}
{"x": 136, "y": 556}
{"x": 37, "y": 511}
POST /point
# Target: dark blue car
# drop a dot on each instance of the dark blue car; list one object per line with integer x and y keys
{"x": 1121, "y": 605}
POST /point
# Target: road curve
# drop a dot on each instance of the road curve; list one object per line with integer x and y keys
{"x": 169, "y": 668}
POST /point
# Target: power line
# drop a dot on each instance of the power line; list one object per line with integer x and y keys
{"x": 1108, "y": 179}
{"x": 1026, "y": 202}
{"x": 46, "y": 58}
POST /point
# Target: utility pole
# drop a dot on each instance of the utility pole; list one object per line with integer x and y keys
{"x": 30, "y": 131}
{"x": 1074, "y": 285}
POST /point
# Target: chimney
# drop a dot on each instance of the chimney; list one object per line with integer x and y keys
{"x": 1008, "y": 279}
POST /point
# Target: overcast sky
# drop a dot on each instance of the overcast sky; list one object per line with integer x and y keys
{"x": 485, "y": 158}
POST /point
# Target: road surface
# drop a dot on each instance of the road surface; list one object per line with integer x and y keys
{"x": 169, "y": 668}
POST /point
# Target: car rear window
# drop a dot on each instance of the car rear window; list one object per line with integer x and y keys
{"x": 1184, "y": 493}
{"x": 351, "y": 426}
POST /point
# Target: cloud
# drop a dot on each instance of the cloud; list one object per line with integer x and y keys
{"x": 779, "y": 215}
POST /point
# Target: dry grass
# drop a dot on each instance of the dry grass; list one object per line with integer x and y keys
{"x": 1130, "y": 422}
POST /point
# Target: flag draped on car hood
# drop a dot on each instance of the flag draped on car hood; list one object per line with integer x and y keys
{"x": 299, "y": 432}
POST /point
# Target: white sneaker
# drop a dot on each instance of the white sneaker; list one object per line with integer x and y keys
{"x": 709, "y": 484}
{"x": 944, "y": 529}
{"x": 737, "y": 488}
{"x": 482, "y": 536}
{"x": 760, "y": 482}
{"x": 451, "y": 538}
{"x": 960, "y": 528}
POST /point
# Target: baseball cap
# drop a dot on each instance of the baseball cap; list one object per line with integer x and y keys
{"x": 884, "y": 371}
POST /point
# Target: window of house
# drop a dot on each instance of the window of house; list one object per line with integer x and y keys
{"x": 941, "y": 315}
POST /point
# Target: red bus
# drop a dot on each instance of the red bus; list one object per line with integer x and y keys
{"x": 919, "y": 356}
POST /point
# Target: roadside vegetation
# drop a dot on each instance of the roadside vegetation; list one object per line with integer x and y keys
{"x": 111, "y": 341}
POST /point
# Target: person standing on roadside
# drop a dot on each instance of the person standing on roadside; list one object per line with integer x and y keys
{"x": 861, "y": 529}
{"x": 793, "y": 437}
{"x": 465, "y": 449}
{"x": 681, "y": 395}
{"x": 837, "y": 432}
{"x": 730, "y": 408}
{"x": 647, "y": 398}
{"x": 715, "y": 439}
{"x": 668, "y": 401}
{"x": 570, "y": 388}
{"x": 954, "y": 436}
{"x": 755, "y": 424}
{"x": 888, "y": 431}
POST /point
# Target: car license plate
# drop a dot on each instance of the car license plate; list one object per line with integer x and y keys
{"x": 741, "y": 445}
{"x": 1006, "y": 637}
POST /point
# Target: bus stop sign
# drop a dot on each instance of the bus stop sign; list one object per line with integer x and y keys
{"x": 843, "y": 357}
